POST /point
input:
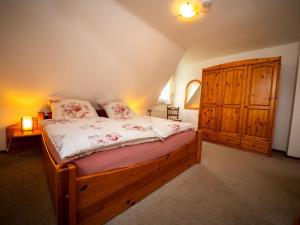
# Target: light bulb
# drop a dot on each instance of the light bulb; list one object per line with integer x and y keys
{"x": 187, "y": 10}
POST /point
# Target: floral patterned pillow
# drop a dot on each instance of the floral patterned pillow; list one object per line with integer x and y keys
{"x": 70, "y": 108}
{"x": 117, "y": 110}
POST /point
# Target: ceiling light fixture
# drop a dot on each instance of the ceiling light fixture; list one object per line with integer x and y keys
{"x": 188, "y": 9}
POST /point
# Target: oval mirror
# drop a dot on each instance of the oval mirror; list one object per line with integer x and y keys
{"x": 192, "y": 94}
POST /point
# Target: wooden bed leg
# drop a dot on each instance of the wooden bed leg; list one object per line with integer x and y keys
{"x": 66, "y": 195}
{"x": 199, "y": 146}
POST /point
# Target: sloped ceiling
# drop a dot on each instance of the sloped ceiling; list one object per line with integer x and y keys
{"x": 229, "y": 26}
{"x": 80, "y": 49}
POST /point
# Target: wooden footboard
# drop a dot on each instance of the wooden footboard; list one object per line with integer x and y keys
{"x": 97, "y": 198}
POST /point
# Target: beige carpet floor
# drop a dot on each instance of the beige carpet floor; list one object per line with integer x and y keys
{"x": 229, "y": 187}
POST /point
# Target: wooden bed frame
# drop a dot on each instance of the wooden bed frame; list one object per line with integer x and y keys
{"x": 96, "y": 198}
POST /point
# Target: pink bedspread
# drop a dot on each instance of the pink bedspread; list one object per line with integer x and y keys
{"x": 131, "y": 155}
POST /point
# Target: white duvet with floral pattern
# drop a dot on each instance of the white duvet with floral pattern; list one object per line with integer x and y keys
{"x": 80, "y": 137}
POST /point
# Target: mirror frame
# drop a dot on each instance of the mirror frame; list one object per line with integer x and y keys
{"x": 186, "y": 89}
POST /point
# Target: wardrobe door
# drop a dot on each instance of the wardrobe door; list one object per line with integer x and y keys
{"x": 260, "y": 105}
{"x": 234, "y": 82}
{"x": 210, "y": 99}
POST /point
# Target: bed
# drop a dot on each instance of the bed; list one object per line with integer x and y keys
{"x": 83, "y": 193}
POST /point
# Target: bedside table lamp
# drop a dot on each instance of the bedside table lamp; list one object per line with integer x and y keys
{"x": 27, "y": 123}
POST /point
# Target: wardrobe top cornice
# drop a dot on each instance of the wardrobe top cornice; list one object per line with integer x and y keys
{"x": 243, "y": 63}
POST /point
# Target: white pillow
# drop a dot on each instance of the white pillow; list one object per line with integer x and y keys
{"x": 71, "y": 108}
{"x": 117, "y": 110}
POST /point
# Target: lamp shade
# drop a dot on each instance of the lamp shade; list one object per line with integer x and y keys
{"x": 27, "y": 123}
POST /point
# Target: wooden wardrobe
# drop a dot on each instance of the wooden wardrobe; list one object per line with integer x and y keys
{"x": 238, "y": 102}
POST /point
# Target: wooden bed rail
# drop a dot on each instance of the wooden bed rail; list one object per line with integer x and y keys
{"x": 102, "y": 196}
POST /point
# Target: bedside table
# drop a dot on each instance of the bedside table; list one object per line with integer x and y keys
{"x": 18, "y": 140}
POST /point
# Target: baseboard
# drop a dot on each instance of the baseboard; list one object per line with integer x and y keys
{"x": 285, "y": 154}
{"x": 278, "y": 150}
{"x": 292, "y": 157}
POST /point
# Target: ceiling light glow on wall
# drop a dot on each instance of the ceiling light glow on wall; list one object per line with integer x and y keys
{"x": 188, "y": 10}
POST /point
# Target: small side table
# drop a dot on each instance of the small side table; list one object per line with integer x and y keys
{"x": 18, "y": 140}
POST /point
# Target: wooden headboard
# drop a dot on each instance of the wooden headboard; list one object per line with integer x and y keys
{"x": 100, "y": 112}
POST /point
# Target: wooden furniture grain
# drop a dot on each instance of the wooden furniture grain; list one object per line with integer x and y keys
{"x": 18, "y": 140}
{"x": 96, "y": 198}
{"x": 238, "y": 102}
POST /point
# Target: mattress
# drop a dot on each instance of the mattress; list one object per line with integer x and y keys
{"x": 123, "y": 156}
{"x": 76, "y": 138}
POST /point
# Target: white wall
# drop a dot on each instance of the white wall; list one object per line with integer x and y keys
{"x": 294, "y": 143}
{"x": 71, "y": 48}
{"x": 190, "y": 68}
